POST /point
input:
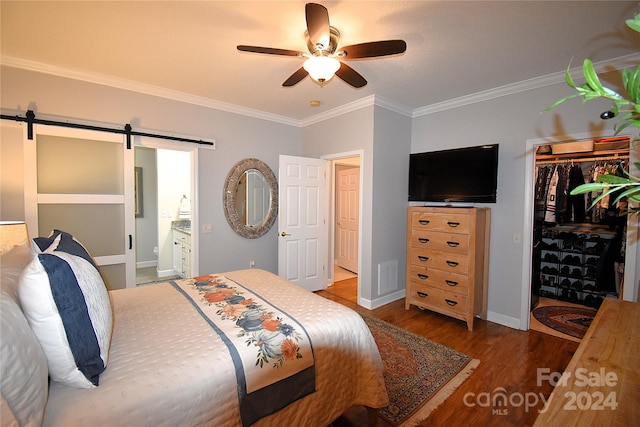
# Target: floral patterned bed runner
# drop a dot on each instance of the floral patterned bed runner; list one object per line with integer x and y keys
{"x": 271, "y": 351}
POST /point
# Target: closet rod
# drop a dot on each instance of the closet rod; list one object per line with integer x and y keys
{"x": 583, "y": 159}
{"x": 30, "y": 119}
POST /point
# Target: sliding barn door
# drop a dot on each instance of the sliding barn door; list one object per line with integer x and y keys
{"x": 81, "y": 182}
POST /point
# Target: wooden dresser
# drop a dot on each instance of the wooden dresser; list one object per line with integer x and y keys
{"x": 448, "y": 260}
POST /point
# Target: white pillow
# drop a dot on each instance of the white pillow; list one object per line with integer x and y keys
{"x": 68, "y": 308}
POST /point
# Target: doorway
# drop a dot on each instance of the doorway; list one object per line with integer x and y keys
{"x": 166, "y": 198}
{"x": 563, "y": 256}
{"x": 345, "y": 215}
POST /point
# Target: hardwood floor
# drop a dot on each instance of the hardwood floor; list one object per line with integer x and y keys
{"x": 509, "y": 363}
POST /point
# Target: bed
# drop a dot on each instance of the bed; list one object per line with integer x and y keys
{"x": 170, "y": 363}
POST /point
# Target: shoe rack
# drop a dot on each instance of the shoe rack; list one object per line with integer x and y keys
{"x": 569, "y": 262}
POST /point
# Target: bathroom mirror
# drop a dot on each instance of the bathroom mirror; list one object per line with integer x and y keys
{"x": 251, "y": 198}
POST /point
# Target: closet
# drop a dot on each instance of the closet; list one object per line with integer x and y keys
{"x": 578, "y": 251}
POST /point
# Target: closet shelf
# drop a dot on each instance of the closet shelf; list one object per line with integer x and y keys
{"x": 590, "y": 156}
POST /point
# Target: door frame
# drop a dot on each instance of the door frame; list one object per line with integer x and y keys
{"x": 630, "y": 289}
{"x": 331, "y": 211}
{"x": 140, "y": 141}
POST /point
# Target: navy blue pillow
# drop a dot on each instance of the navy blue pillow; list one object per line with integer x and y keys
{"x": 63, "y": 242}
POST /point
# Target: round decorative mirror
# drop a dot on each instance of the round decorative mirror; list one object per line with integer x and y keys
{"x": 251, "y": 198}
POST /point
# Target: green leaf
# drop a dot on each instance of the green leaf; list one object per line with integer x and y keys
{"x": 634, "y": 23}
{"x": 630, "y": 193}
{"x": 615, "y": 179}
{"x": 626, "y": 125}
{"x": 600, "y": 197}
{"x": 633, "y": 84}
{"x": 568, "y": 78}
{"x": 555, "y": 104}
{"x": 588, "y": 188}
{"x": 591, "y": 76}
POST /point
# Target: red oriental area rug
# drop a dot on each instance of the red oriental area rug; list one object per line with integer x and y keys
{"x": 573, "y": 321}
{"x": 419, "y": 374}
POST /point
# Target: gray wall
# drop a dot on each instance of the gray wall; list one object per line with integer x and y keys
{"x": 236, "y": 136}
{"x": 384, "y": 138}
{"x": 147, "y": 225}
{"x": 509, "y": 121}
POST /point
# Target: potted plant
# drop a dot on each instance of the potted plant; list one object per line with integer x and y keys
{"x": 628, "y": 108}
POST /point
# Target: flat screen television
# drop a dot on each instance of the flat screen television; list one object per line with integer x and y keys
{"x": 468, "y": 175}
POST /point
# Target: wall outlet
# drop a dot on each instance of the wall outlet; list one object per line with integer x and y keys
{"x": 207, "y": 228}
{"x": 252, "y": 263}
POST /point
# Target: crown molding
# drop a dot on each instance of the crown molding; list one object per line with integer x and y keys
{"x": 356, "y": 105}
{"x": 510, "y": 89}
{"x": 143, "y": 88}
{"x": 525, "y": 85}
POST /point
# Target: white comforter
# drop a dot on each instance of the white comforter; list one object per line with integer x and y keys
{"x": 167, "y": 367}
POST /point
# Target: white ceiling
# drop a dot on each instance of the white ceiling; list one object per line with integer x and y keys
{"x": 454, "y": 48}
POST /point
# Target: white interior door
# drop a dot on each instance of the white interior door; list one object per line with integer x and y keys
{"x": 302, "y": 227}
{"x": 81, "y": 182}
{"x": 347, "y": 215}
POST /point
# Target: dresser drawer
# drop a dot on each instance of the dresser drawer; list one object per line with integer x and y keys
{"x": 452, "y": 223}
{"x": 448, "y": 261}
{"x": 440, "y": 279}
{"x": 437, "y": 299}
{"x": 438, "y": 241}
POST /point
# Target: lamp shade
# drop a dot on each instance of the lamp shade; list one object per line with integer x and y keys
{"x": 321, "y": 68}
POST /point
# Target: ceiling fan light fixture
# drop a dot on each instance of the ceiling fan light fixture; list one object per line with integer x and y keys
{"x": 321, "y": 68}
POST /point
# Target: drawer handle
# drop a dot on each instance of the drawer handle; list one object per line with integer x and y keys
{"x": 422, "y": 295}
{"x": 452, "y": 263}
{"x": 453, "y": 244}
{"x": 423, "y": 240}
{"x": 424, "y": 221}
{"x": 422, "y": 276}
{"x": 423, "y": 258}
{"x": 453, "y": 224}
{"x": 450, "y": 302}
{"x": 451, "y": 283}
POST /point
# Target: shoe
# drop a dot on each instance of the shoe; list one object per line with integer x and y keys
{"x": 550, "y": 257}
{"x": 573, "y": 296}
{"x": 568, "y": 259}
{"x": 577, "y": 285}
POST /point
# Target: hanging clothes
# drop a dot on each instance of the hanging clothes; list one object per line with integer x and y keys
{"x": 576, "y": 206}
{"x": 550, "y": 210}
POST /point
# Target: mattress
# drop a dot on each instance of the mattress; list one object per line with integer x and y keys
{"x": 167, "y": 366}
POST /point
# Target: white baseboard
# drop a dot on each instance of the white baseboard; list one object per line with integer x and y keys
{"x": 379, "y": 302}
{"x": 145, "y": 264}
{"x": 166, "y": 273}
{"x": 501, "y": 319}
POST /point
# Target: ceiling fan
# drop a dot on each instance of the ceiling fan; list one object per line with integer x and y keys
{"x": 322, "y": 41}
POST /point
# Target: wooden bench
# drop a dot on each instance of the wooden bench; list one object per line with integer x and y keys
{"x": 601, "y": 384}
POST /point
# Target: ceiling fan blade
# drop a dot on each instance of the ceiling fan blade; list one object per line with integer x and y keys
{"x": 269, "y": 50}
{"x": 296, "y": 77}
{"x": 318, "y": 24}
{"x": 350, "y": 76}
{"x": 373, "y": 49}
